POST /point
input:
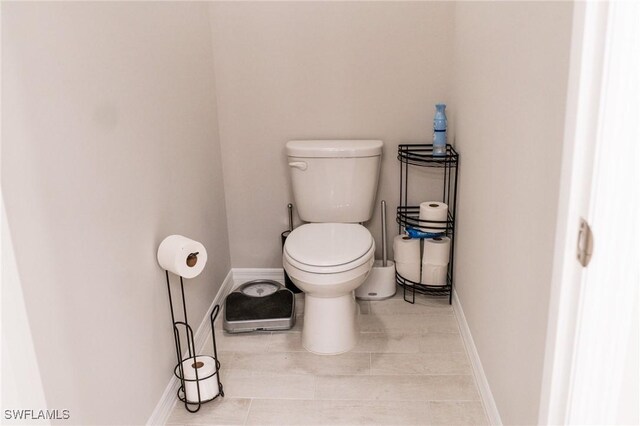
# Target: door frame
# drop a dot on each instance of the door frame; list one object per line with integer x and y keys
{"x": 581, "y": 118}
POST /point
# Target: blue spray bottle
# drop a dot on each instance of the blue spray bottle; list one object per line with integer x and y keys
{"x": 440, "y": 131}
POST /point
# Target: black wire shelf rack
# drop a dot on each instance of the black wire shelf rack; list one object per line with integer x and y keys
{"x": 422, "y": 155}
{"x": 407, "y": 216}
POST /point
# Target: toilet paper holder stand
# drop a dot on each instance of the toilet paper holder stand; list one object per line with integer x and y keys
{"x": 191, "y": 352}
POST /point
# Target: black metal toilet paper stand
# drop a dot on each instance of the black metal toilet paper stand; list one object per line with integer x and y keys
{"x": 178, "y": 370}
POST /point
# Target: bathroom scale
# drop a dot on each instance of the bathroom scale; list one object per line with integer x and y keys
{"x": 259, "y": 305}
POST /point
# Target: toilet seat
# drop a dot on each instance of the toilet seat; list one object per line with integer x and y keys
{"x": 329, "y": 248}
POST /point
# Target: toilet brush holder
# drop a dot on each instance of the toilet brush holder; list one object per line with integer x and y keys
{"x": 380, "y": 284}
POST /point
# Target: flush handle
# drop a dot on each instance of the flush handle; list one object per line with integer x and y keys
{"x": 299, "y": 165}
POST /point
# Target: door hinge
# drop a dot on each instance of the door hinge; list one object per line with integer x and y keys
{"x": 584, "y": 248}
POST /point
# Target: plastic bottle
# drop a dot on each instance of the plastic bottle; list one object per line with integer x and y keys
{"x": 440, "y": 131}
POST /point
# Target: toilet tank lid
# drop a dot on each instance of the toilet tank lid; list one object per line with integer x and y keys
{"x": 334, "y": 148}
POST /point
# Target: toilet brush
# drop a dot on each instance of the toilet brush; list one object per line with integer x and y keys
{"x": 287, "y": 281}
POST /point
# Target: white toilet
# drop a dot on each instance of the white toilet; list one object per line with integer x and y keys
{"x": 334, "y": 188}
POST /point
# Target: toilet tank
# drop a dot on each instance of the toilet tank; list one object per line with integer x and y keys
{"x": 334, "y": 180}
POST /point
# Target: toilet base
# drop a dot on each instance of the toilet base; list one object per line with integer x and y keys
{"x": 330, "y": 324}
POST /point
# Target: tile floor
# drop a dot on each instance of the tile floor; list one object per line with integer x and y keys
{"x": 409, "y": 368}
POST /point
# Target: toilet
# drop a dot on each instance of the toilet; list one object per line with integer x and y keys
{"x": 334, "y": 188}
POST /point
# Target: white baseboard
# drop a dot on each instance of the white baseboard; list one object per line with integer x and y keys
{"x": 242, "y": 275}
{"x": 483, "y": 385}
{"x": 168, "y": 399}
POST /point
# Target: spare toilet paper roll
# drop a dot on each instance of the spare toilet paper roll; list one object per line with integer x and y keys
{"x": 436, "y": 251}
{"x": 406, "y": 249}
{"x": 434, "y": 274}
{"x": 434, "y": 211}
{"x": 182, "y": 256}
{"x": 409, "y": 270}
{"x": 207, "y": 378}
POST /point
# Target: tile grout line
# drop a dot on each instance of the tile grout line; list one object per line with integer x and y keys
{"x": 269, "y": 342}
{"x": 454, "y": 400}
{"x": 246, "y": 417}
{"x": 429, "y": 413}
{"x": 315, "y": 387}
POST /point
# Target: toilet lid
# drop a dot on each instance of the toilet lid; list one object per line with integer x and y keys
{"x": 328, "y": 244}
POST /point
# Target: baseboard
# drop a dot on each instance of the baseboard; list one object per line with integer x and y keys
{"x": 242, "y": 275}
{"x": 483, "y": 385}
{"x": 168, "y": 399}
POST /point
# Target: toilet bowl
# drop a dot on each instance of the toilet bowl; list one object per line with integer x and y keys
{"x": 328, "y": 261}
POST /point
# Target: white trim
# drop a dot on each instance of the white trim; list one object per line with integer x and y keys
{"x": 168, "y": 399}
{"x": 604, "y": 381}
{"x": 242, "y": 275}
{"x": 478, "y": 372}
{"x": 587, "y": 57}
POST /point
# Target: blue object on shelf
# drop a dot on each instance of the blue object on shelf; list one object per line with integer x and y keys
{"x": 415, "y": 233}
{"x": 440, "y": 131}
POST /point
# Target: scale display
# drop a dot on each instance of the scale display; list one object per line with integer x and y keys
{"x": 260, "y": 289}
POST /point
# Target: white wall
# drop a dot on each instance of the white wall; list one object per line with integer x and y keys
{"x": 510, "y": 82}
{"x": 291, "y": 70}
{"x": 109, "y": 144}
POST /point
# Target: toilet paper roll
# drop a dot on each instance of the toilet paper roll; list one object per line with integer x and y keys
{"x": 406, "y": 249}
{"x": 434, "y": 274}
{"x": 436, "y": 251}
{"x": 434, "y": 211}
{"x": 207, "y": 378}
{"x": 409, "y": 270}
{"x": 182, "y": 256}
